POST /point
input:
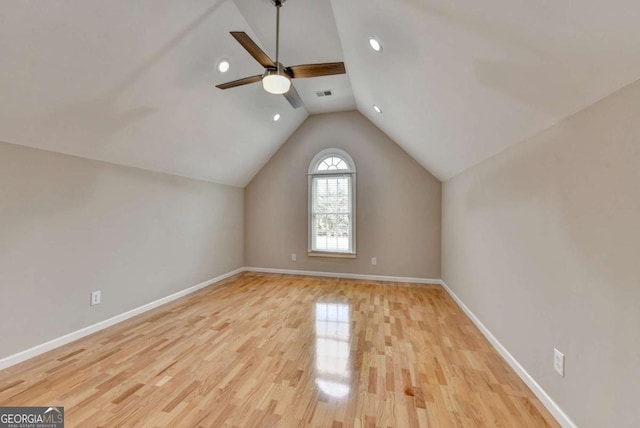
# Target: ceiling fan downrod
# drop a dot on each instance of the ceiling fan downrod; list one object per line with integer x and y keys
{"x": 276, "y": 80}
{"x": 278, "y": 5}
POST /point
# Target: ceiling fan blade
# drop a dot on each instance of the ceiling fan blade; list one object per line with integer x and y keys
{"x": 315, "y": 70}
{"x": 240, "y": 82}
{"x": 292, "y": 96}
{"x": 253, "y": 49}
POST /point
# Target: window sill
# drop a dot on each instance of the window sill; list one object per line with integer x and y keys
{"x": 330, "y": 254}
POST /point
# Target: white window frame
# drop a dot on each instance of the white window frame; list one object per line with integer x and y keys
{"x": 314, "y": 172}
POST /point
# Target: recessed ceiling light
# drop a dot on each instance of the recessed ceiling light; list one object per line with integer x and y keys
{"x": 375, "y": 44}
{"x": 276, "y": 117}
{"x": 377, "y": 109}
{"x": 223, "y": 65}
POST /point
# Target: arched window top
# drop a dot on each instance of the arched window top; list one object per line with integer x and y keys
{"x": 332, "y": 161}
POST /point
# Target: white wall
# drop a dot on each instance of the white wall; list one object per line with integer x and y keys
{"x": 70, "y": 225}
{"x": 542, "y": 243}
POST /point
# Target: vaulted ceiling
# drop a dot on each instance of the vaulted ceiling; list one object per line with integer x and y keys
{"x": 134, "y": 82}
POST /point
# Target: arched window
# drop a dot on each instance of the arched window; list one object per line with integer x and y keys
{"x": 332, "y": 207}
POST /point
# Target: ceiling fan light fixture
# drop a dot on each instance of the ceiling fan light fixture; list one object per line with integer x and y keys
{"x": 275, "y": 82}
{"x": 375, "y": 44}
{"x": 276, "y": 117}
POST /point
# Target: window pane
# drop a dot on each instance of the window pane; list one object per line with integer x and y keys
{"x": 332, "y": 195}
{"x": 332, "y": 163}
{"x": 331, "y": 214}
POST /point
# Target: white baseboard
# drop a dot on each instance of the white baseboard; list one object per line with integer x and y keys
{"x": 346, "y": 275}
{"x": 553, "y": 408}
{"x": 67, "y": 338}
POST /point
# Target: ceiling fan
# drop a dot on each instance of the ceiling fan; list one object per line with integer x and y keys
{"x": 276, "y": 78}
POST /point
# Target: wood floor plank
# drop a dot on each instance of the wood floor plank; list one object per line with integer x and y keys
{"x": 274, "y": 350}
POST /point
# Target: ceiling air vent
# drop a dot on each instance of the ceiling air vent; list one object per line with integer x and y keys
{"x": 324, "y": 93}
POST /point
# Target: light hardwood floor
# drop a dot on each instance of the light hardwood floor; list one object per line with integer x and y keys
{"x": 275, "y": 350}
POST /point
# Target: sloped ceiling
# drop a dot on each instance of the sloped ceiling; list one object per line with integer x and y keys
{"x": 134, "y": 82}
{"x": 459, "y": 81}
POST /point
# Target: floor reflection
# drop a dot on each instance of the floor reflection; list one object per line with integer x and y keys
{"x": 333, "y": 349}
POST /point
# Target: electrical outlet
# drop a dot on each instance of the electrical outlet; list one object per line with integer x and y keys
{"x": 293, "y": 257}
{"x": 558, "y": 362}
{"x": 96, "y": 297}
{"x": 374, "y": 261}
